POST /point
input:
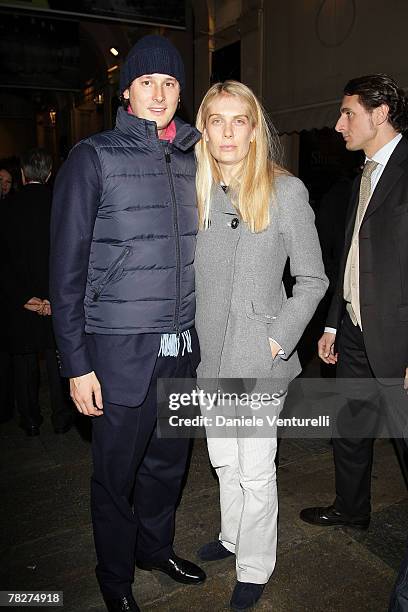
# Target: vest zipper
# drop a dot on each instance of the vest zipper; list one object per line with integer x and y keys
{"x": 176, "y": 231}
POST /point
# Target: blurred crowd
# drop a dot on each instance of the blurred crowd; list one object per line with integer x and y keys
{"x": 27, "y": 345}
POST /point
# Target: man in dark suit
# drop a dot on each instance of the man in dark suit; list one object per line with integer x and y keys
{"x": 367, "y": 323}
{"x": 6, "y": 361}
{"x": 122, "y": 296}
{"x": 6, "y": 183}
{"x": 24, "y": 265}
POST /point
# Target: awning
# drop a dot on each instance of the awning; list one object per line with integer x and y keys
{"x": 307, "y": 117}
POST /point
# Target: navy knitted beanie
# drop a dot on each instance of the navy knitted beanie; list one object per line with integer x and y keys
{"x": 149, "y": 55}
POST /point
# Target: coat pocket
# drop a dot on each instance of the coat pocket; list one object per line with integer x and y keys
{"x": 111, "y": 273}
{"x": 401, "y": 209}
{"x": 258, "y": 312}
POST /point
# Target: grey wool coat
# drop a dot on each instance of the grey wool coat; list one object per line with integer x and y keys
{"x": 241, "y": 300}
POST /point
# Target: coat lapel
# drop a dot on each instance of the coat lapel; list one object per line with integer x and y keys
{"x": 392, "y": 173}
{"x": 220, "y": 200}
{"x": 351, "y": 216}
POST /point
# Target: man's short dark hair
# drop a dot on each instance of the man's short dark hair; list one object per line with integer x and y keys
{"x": 376, "y": 89}
{"x": 36, "y": 165}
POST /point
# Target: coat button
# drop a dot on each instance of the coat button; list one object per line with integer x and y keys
{"x": 234, "y": 223}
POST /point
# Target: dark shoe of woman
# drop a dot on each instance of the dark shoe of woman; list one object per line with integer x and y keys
{"x": 213, "y": 551}
{"x": 245, "y": 595}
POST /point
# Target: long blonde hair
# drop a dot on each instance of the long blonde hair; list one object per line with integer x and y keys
{"x": 251, "y": 190}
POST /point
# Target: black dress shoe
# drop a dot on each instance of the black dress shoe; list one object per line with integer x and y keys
{"x": 178, "y": 569}
{"x": 63, "y": 429}
{"x": 31, "y": 430}
{"x": 213, "y": 551}
{"x": 245, "y": 595}
{"x": 328, "y": 516}
{"x": 125, "y": 603}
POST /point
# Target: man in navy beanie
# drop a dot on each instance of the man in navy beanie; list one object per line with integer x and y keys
{"x": 122, "y": 293}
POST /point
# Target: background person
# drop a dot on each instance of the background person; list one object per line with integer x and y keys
{"x": 25, "y": 243}
{"x": 253, "y": 217}
{"x": 6, "y": 183}
{"x": 367, "y": 323}
{"x": 6, "y": 360}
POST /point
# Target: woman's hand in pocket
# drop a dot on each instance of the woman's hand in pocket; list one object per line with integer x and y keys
{"x": 275, "y": 347}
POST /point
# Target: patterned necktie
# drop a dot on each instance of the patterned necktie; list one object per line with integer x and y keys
{"x": 365, "y": 189}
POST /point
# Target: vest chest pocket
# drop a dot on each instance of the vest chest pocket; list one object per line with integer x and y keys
{"x": 111, "y": 272}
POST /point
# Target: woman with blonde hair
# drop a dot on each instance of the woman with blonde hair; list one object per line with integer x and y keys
{"x": 254, "y": 216}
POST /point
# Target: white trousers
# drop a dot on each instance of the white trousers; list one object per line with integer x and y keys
{"x": 245, "y": 467}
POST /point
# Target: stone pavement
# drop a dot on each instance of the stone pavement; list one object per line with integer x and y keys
{"x": 46, "y": 541}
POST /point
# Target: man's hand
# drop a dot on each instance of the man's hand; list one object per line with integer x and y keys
{"x": 406, "y": 380}
{"x": 46, "y": 309}
{"x": 326, "y": 348}
{"x": 86, "y": 394}
{"x": 34, "y": 304}
{"x": 41, "y": 307}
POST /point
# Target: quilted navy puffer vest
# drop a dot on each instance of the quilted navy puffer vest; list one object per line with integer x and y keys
{"x": 141, "y": 275}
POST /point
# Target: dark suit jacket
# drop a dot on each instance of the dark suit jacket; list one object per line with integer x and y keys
{"x": 124, "y": 364}
{"x": 383, "y": 249}
{"x": 25, "y": 243}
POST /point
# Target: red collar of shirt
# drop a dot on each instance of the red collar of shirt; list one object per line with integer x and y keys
{"x": 169, "y": 133}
